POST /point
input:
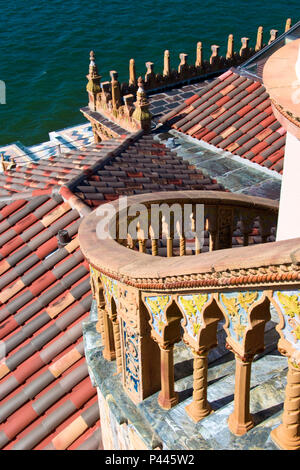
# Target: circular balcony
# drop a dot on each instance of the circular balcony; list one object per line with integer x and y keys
{"x": 150, "y": 295}
{"x": 169, "y": 224}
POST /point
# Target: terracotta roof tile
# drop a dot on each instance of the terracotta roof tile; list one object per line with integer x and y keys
{"x": 45, "y": 294}
{"x": 233, "y": 113}
{"x": 46, "y": 394}
{"x": 144, "y": 166}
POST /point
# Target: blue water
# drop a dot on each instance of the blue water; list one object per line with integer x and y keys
{"x": 44, "y": 48}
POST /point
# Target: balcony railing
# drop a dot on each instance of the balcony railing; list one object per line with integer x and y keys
{"x": 147, "y": 302}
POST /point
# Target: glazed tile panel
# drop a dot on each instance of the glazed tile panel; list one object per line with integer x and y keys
{"x": 289, "y": 305}
{"x": 234, "y": 113}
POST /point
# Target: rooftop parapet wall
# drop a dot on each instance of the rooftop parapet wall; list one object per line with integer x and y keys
{"x": 116, "y": 100}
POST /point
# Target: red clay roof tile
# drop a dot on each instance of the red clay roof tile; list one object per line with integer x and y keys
{"x": 243, "y": 104}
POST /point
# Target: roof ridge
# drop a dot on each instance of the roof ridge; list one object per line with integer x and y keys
{"x": 104, "y": 159}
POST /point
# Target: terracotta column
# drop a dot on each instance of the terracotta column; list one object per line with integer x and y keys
{"x": 141, "y": 114}
{"x": 167, "y": 397}
{"x": 199, "y": 408}
{"x": 287, "y": 434}
{"x": 182, "y": 246}
{"x": 115, "y": 90}
{"x": 273, "y": 35}
{"x": 213, "y": 241}
{"x": 117, "y": 341}
{"x": 100, "y": 324}
{"x": 240, "y": 421}
{"x": 183, "y": 65}
{"x": 199, "y": 55}
{"x": 197, "y": 245}
{"x": 154, "y": 246}
{"x": 230, "y": 51}
{"x": 132, "y": 76}
{"x": 288, "y": 24}
{"x": 244, "y": 50}
{"x": 109, "y": 352}
{"x": 247, "y": 220}
{"x": 259, "y": 39}
{"x": 166, "y": 71}
{"x": 97, "y": 138}
{"x": 169, "y": 247}
{"x": 93, "y": 85}
{"x": 214, "y": 58}
{"x": 97, "y": 291}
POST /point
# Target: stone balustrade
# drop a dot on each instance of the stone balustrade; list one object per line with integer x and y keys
{"x": 147, "y": 303}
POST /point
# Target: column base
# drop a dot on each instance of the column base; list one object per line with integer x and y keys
{"x": 279, "y": 437}
{"x": 197, "y": 414}
{"x": 237, "y": 428}
{"x": 167, "y": 403}
{"x": 109, "y": 355}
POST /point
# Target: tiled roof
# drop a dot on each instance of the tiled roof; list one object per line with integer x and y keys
{"x": 47, "y": 400}
{"x": 233, "y": 113}
{"x": 42, "y": 176}
{"x": 145, "y": 166}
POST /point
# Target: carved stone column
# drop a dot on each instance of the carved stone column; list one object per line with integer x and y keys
{"x": 167, "y": 397}
{"x": 287, "y": 434}
{"x": 199, "y": 408}
{"x": 240, "y": 421}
